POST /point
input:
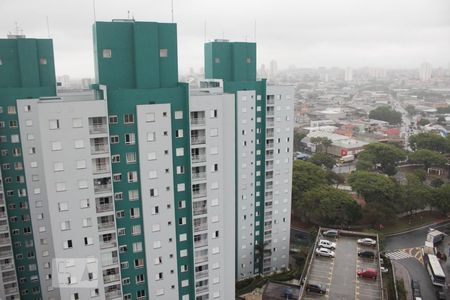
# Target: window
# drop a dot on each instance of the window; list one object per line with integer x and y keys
{"x": 107, "y": 53}
{"x": 153, "y": 192}
{"x": 131, "y": 157}
{"x": 65, "y": 225}
{"x": 84, "y": 203}
{"x": 60, "y": 186}
{"x": 140, "y": 278}
{"x": 214, "y": 132}
{"x": 113, "y": 119}
{"x": 77, "y": 123}
{"x": 151, "y": 136}
{"x": 53, "y": 124}
{"x": 114, "y": 139}
{"x": 117, "y": 177}
{"x": 150, "y": 117}
{"x": 248, "y": 60}
{"x": 115, "y": 158}
{"x": 88, "y": 241}
{"x": 155, "y": 210}
{"x": 43, "y": 61}
{"x": 217, "y": 60}
{"x": 178, "y": 114}
{"x": 179, "y": 133}
{"x": 134, "y": 213}
{"x": 180, "y": 170}
{"x": 79, "y": 144}
{"x": 151, "y": 156}
{"x": 67, "y": 244}
{"x": 137, "y": 247}
{"x": 130, "y": 138}
{"x": 136, "y": 230}
{"x": 163, "y": 52}
{"x": 58, "y": 166}
{"x": 128, "y": 118}
{"x": 81, "y": 164}
{"x": 133, "y": 195}
{"x": 179, "y": 151}
{"x": 152, "y": 174}
{"x": 14, "y": 138}
{"x": 11, "y": 110}
{"x": 156, "y": 244}
{"x": 132, "y": 176}
{"x": 156, "y": 227}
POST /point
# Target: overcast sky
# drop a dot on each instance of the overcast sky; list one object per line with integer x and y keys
{"x": 304, "y": 33}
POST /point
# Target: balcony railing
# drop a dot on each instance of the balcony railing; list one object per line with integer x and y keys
{"x": 113, "y": 294}
{"x": 100, "y": 148}
{"x": 269, "y": 145}
{"x": 11, "y": 290}
{"x": 270, "y": 101}
{"x": 198, "y": 158}
{"x": 199, "y": 193}
{"x": 200, "y": 210}
{"x": 105, "y": 226}
{"x": 102, "y": 188}
{"x": 104, "y": 207}
{"x": 110, "y": 261}
{"x": 106, "y": 245}
{"x": 2, "y": 214}
{"x": 201, "y": 243}
{"x": 201, "y": 289}
{"x": 199, "y": 176}
{"x": 9, "y": 278}
{"x": 4, "y": 228}
{"x": 201, "y": 274}
{"x": 198, "y": 121}
{"x": 269, "y": 186}
{"x": 270, "y": 112}
{"x": 201, "y": 227}
{"x": 270, "y": 122}
{"x": 197, "y": 140}
{"x": 5, "y": 241}
{"x": 201, "y": 258}
{"x": 97, "y": 128}
{"x": 4, "y": 254}
{"x": 110, "y": 278}
{"x": 6, "y": 266}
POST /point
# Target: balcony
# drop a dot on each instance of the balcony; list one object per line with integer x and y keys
{"x": 98, "y": 125}
{"x": 270, "y": 101}
{"x": 2, "y": 214}
{"x": 111, "y": 278}
{"x": 269, "y": 133}
{"x": 201, "y": 274}
{"x": 198, "y": 139}
{"x": 200, "y": 209}
{"x": 198, "y": 176}
{"x": 110, "y": 260}
{"x": 4, "y": 228}
{"x": 199, "y": 190}
{"x": 270, "y": 112}
{"x": 5, "y": 240}
{"x": 113, "y": 292}
{"x": 106, "y": 223}
{"x": 200, "y": 227}
{"x": 102, "y": 185}
{"x": 201, "y": 289}
{"x": 5, "y": 254}
{"x": 7, "y": 266}
{"x": 270, "y": 122}
{"x": 99, "y": 146}
{"x": 101, "y": 165}
{"x": 201, "y": 240}
{"x": 198, "y": 158}
{"x": 108, "y": 244}
{"x": 11, "y": 290}
{"x": 269, "y": 165}
{"x": 9, "y": 276}
{"x": 197, "y": 118}
{"x": 269, "y": 185}
{"x": 104, "y": 207}
{"x": 269, "y": 144}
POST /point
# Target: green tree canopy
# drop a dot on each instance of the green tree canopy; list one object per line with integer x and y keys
{"x": 385, "y": 113}
{"x": 376, "y": 188}
{"x": 415, "y": 194}
{"x": 326, "y": 205}
{"x": 298, "y": 137}
{"x": 424, "y": 122}
{"x": 430, "y": 141}
{"x": 441, "y": 199}
{"x": 381, "y": 156}
{"x": 322, "y": 143}
{"x": 428, "y": 158}
{"x": 410, "y": 109}
{"x": 323, "y": 159}
{"x": 306, "y": 176}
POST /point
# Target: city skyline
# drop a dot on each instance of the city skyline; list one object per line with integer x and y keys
{"x": 305, "y": 35}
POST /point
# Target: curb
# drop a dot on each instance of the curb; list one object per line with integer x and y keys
{"x": 418, "y": 228}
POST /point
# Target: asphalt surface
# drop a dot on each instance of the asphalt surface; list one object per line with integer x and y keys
{"x": 416, "y": 269}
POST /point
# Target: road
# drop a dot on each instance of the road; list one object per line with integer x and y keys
{"x": 416, "y": 270}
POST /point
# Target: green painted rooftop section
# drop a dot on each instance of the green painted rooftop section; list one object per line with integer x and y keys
{"x": 230, "y": 61}
{"x": 27, "y": 63}
{"x": 136, "y": 55}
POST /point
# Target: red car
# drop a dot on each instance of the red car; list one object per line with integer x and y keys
{"x": 368, "y": 273}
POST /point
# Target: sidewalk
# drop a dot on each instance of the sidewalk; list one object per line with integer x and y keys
{"x": 402, "y": 273}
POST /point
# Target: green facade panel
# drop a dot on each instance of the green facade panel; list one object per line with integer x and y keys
{"x": 27, "y": 71}
{"x": 148, "y": 54}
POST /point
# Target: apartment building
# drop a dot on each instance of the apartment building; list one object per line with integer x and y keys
{"x": 263, "y": 145}
{"x": 26, "y": 71}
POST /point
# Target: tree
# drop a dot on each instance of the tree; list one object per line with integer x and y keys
{"x": 377, "y": 213}
{"x": 430, "y": 141}
{"x": 385, "y": 113}
{"x": 375, "y": 188}
{"x": 427, "y": 158}
{"x": 424, "y": 122}
{"x": 410, "y": 109}
{"x": 441, "y": 120}
{"x": 415, "y": 195}
{"x": 323, "y": 159}
{"x": 441, "y": 199}
{"x": 298, "y": 137}
{"x": 321, "y": 143}
{"x": 306, "y": 176}
{"x": 381, "y": 156}
{"x": 326, "y": 205}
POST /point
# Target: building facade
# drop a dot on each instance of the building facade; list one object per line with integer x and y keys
{"x": 141, "y": 188}
{"x": 263, "y": 146}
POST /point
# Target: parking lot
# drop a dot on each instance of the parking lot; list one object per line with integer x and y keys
{"x": 339, "y": 274}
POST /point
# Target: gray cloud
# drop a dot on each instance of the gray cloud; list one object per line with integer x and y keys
{"x": 307, "y": 33}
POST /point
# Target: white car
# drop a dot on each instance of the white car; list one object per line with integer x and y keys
{"x": 324, "y": 252}
{"x": 367, "y": 242}
{"x": 327, "y": 244}
{"x": 384, "y": 270}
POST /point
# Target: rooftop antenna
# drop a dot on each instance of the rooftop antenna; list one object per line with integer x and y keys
{"x": 128, "y": 14}
{"x": 48, "y": 28}
{"x": 93, "y": 5}
{"x": 204, "y": 31}
{"x": 172, "y": 10}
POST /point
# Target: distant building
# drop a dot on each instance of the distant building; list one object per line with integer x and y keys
{"x": 273, "y": 69}
{"x": 348, "y": 75}
{"x": 425, "y": 71}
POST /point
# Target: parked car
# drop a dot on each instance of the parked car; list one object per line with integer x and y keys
{"x": 331, "y": 233}
{"x": 367, "y": 242}
{"x": 415, "y": 286}
{"x": 368, "y": 273}
{"x": 315, "y": 288}
{"x": 384, "y": 269}
{"x": 440, "y": 295}
{"x": 327, "y": 244}
{"x": 366, "y": 254}
{"x": 324, "y": 252}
